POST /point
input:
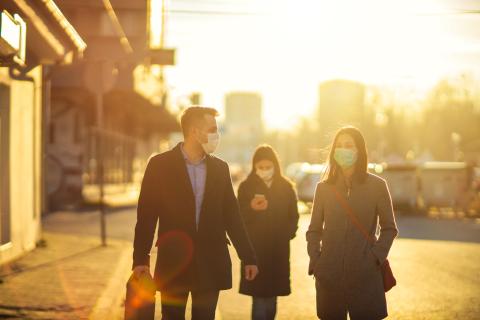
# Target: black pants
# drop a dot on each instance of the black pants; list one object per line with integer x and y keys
{"x": 264, "y": 308}
{"x": 337, "y": 307}
{"x": 203, "y": 305}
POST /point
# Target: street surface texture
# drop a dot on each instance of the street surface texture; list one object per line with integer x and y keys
{"x": 436, "y": 263}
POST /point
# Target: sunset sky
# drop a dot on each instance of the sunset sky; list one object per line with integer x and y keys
{"x": 285, "y": 48}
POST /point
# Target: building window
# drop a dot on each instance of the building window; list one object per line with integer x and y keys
{"x": 77, "y": 138}
{"x": 51, "y": 133}
{"x": 4, "y": 165}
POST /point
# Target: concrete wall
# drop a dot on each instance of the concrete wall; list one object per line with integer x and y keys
{"x": 24, "y": 185}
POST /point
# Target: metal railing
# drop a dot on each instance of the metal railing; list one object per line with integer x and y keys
{"x": 118, "y": 151}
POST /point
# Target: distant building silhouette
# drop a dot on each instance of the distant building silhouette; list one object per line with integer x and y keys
{"x": 340, "y": 102}
{"x": 243, "y": 126}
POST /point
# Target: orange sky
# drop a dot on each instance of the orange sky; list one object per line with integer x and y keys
{"x": 285, "y": 48}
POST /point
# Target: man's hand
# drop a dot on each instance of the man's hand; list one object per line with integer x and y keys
{"x": 141, "y": 271}
{"x": 251, "y": 272}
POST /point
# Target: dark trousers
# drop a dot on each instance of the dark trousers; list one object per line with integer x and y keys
{"x": 203, "y": 305}
{"x": 337, "y": 307}
{"x": 264, "y": 308}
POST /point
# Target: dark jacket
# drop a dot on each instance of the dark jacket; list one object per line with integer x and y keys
{"x": 345, "y": 264}
{"x": 270, "y": 232}
{"x": 189, "y": 259}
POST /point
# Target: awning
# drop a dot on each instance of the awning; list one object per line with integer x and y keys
{"x": 125, "y": 111}
{"x": 50, "y": 36}
{"x": 129, "y": 105}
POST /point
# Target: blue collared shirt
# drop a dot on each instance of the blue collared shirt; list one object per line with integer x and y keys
{"x": 198, "y": 176}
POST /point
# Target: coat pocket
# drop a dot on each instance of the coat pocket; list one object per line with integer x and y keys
{"x": 372, "y": 259}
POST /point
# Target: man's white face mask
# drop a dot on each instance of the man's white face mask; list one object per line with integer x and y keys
{"x": 211, "y": 145}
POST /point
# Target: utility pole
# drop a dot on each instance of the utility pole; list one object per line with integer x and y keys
{"x": 100, "y": 168}
{"x": 99, "y": 79}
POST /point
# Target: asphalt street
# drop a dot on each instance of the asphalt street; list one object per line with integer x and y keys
{"x": 436, "y": 262}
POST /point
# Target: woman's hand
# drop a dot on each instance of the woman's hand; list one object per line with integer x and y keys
{"x": 259, "y": 204}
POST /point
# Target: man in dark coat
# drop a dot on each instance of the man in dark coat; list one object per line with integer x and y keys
{"x": 189, "y": 193}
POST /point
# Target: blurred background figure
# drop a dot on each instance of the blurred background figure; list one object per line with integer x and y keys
{"x": 268, "y": 204}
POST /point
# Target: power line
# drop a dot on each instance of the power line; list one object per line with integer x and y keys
{"x": 451, "y": 13}
{"x": 211, "y": 13}
{"x": 253, "y": 13}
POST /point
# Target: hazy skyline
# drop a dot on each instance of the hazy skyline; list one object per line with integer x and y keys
{"x": 283, "y": 49}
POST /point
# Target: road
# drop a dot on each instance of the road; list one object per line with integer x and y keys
{"x": 436, "y": 263}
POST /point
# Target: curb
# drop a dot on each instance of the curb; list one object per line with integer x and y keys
{"x": 109, "y": 304}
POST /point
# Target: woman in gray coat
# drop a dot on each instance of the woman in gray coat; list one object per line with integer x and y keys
{"x": 346, "y": 265}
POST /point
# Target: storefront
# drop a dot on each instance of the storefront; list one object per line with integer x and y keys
{"x": 33, "y": 35}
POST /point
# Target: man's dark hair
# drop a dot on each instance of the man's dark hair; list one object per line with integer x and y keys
{"x": 192, "y": 116}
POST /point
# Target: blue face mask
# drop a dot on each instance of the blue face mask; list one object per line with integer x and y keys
{"x": 345, "y": 157}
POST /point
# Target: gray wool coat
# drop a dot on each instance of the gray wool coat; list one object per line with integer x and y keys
{"x": 345, "y": 265}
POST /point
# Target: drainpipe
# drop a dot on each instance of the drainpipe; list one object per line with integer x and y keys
{"x": 46, "y": 117}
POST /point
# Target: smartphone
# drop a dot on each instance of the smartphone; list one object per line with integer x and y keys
{"x": 259, "y": 196}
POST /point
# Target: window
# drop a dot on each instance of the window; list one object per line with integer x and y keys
{"x": 51, "y": 133}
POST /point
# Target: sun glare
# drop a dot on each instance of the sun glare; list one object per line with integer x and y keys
{"x": 287, "y": 49}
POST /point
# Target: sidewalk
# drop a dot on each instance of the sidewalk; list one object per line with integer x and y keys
{"x": 71, "y": 277}
{"x": 116, "y": 195}
{"x": 120, "y": 225}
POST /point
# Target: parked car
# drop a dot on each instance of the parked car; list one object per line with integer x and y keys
{"x": 414, "y": 188}
{"x": 473, "y": 199}
{"x": 296, "y": 169}
{"x": 444, "y": 184}
{"x": 403, "y": 184}
{"x": 306, "y": 180}
{"x": 309, "y": 175}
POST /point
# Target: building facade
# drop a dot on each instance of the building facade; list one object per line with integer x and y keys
{"x": 132, "y": 127}
{"x": 33, "y": 36}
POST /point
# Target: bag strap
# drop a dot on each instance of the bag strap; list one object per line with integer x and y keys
{"x": 353, "y": 217}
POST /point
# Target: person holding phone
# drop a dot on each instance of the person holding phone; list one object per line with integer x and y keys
{"x": 268, "y": 204}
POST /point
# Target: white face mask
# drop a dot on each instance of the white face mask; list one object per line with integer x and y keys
{"x": 212, "y": 143}
{"x": 265, "y": 175}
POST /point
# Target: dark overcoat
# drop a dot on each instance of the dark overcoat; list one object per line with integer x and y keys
{"x": 270, "y": 233}
{"x": 189, "y": 259}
